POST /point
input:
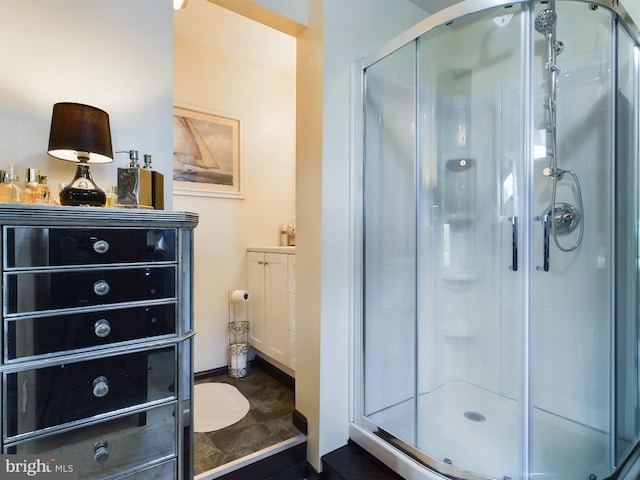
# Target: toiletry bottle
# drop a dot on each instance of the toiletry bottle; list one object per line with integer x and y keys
{"x": 15, "y": 182}
{"x": 5, "y": 190}
{"x": 291, "y": 231}
{"x": 112, "y": 197}
{"x": 284, "y": 235}
{"x": 9, "y": 191}
{"x": 157, "y": 184}
{"x": 134, "y": 184}
{"x": 44, "y": 192}
{"x": 31, "y": 182}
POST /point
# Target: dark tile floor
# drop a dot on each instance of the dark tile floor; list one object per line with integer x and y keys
{"x": 268, "y": 422}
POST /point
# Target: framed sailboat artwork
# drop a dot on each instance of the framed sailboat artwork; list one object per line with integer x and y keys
{"x": 207, "y": 154}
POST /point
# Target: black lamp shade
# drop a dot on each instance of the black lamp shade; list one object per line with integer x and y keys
{"x": 80, "y": 133}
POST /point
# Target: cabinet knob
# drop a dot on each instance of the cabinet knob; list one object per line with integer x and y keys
{"x": 101, "y": 287}
{"x": 101, "y": 246}
{"x": 102, "y": 328}
{"x": 100, "y": 451}
{"x": 100, "y": 386}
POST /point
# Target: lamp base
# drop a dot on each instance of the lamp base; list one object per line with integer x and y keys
{"x": 82, "y": 191}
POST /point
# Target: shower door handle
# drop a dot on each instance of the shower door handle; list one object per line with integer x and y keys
{"x": 545, "y": 242}
{"x": 514, "y": 244}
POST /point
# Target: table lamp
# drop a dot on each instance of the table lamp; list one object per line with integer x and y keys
{"x": 81, "y": 133}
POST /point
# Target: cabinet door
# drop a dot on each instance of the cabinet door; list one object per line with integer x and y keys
{"x": 277, "y": 306}
{"x": 256, "y": 313}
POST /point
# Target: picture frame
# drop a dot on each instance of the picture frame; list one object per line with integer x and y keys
{"x": 207, "y": 153}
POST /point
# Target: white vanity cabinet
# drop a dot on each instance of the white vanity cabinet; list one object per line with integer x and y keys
{"x": 271, "y": 317}
{"x": 97, "y": 339}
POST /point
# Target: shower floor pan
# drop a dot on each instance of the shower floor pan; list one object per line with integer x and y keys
{"x": 475, "y": 430}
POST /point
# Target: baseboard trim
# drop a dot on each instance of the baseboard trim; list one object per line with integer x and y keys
{"x": 300, "y": 421}
{"x": 208, "y": 373}
{"x": 283, "y": 377}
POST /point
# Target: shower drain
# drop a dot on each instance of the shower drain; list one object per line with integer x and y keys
{"x": 474, "y": 416}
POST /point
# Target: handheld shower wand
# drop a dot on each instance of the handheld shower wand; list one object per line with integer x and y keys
{"x": 545, "y": 23}
{"x": 564, "y": 217}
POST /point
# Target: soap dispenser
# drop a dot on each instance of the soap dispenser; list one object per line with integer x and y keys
{"x": 157, "y": 184}
{"x": 134, "y": 184}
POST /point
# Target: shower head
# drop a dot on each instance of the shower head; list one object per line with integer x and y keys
{"x": 546, "y": 21}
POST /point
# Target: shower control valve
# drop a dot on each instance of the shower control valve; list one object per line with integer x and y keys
{"x": 553, "y": 173}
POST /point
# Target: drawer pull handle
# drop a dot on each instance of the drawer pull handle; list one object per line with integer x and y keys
{"x": 101, "y": 246}
{"x": 102, "y": 328}
{"x": 101, "y": 452}
{"x": 100, "y": 386}
{"x": 101, "y": 287}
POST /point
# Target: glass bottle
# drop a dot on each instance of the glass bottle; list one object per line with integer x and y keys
{"x": 15, "y": 181}
{"x": 9, "y": 191}
{"x": 31, "y": 186}
{"x": 112, "y": 197}
{"x": 44, "y": 192}
{"x": 291, "y": 231}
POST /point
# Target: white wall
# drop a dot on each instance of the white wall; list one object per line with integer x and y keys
{"x": 339, "y": 32}
{"x": 114, "y": 55}
{"x": 294, "y": 9}
{"x": 225, "y": 63}
{"x": 633, "y": 7}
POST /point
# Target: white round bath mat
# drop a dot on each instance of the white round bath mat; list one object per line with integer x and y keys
{"x": 217, "y": 405}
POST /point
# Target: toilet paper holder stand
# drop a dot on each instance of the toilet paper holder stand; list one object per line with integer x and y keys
{"x": 238, "y": 334}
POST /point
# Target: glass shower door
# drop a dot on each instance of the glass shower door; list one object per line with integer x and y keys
{"x": 572, "y": 298}
{"x": 390, "y": 245}
{"x": 442, "y": 289}
{"x": 470, "y": 262}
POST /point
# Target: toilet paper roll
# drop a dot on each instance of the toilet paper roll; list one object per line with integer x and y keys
{"x": 239, "y": 296}
{"x": 238, "y": 359}
{"x": 238, "y": 356}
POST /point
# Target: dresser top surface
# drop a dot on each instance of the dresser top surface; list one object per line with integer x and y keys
{"x": 112, "y": 217}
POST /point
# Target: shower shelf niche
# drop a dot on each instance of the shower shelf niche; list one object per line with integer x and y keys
{"x": 459, "y": 329}
{"x": 460, "y": 198}
{"x": 460, "y": 221}
{"x": 460, "y": 278}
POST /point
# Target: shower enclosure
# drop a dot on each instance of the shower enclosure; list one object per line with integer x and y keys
{"x": 499, "y": 315}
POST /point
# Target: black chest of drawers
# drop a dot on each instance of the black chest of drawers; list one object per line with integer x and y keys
{"x": 97, "y": 338}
